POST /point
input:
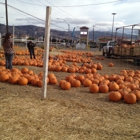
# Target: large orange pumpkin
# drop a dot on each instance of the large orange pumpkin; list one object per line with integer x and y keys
{"x": 53, "y": 80}
{"x": 130, "y": 98}
{"x": 115, "y": 96}
{"x": 4, "y": 77}
{"x": 66, "y": 85}
{"x": 76, "y": 83}
{"x": 24, "y": 70}
{"x": 13, "y": 79}
{"x": 94, "y": 88}
{"x": 103, "y": 88}
{"x": 23, "y": 81}
{"x": 87, "y": 82}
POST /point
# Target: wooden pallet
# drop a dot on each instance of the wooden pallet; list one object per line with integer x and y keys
{"x": 137, "y": 51}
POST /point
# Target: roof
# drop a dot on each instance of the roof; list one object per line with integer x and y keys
{"x": 100, "y": 37}
{"x": 84, "y": 27}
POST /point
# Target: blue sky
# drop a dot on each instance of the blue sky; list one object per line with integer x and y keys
{"x": 77, "y": 13}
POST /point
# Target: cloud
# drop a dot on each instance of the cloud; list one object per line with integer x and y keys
{"x": 31, "y": 21}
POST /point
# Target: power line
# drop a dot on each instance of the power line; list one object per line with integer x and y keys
{"x": 74, "y": 5}
{"x": 90, "y": 4}
{"x": 31, "y": 3}
{"x": 29, "y": 14}
{"x": 58, "y": 8}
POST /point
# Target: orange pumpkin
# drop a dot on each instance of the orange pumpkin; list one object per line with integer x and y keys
{"x": 115, "y": 96}
{"x": 39, "y": 83}
{"x": 113, "y": 86}
{"x": 103, "y": 88}
{"x": 53, "y": 80}
{"x": 94, "y": 88}
{"x": 123, "y": 91}
{"x": 13, "y": 79}
{"x": 111, "y": 64}
{"x": 66, "y": 85}
{"x": 24, "y": 70}
{"x": 130, "y": 98}
{"x": 87, "y": 82}
{"x": 23, "y": 81}
{"x": 76, "y": 83}
{"x": 60, "y": 82}
{"x": 4, "y": 77}
{"x": 137, "y": 93}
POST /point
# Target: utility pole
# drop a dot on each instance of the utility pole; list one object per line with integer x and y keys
{"x": 6, "y": 16}
{"x": 93, "y": 33}
{"x": 112, "y": 25}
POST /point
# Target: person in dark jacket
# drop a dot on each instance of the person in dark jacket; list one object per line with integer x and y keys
{"x": 8, "y": 50}
{"x": 31, "y": 46}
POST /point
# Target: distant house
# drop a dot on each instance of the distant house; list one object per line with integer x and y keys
{"x": 24, "y": 36}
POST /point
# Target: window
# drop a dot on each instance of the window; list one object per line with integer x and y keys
{"x": 83, "y": 33}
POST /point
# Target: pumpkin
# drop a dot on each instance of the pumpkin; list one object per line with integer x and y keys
{"x": 39, "y": 83}
{"x": 87, "y": 82}
{"x": 50, "y": 75}
{"x": 123, "y": 91}
{"x": 103, "y": 88}
{"x": 34, "y": 82}
{"x": 113, "y": 86}
{"x": 99, "y": 66}
{"x": 13, "y": 79}
{"x": 115, "y": 96}
{"x": 60, "y": 82}
{"x": 111, "y": 64}
{"x": 130, "y": 98}
{"x": 76, "y": 83}
{"x": 66, "y": 85}
{"x": 53, "y": 80}
{"x": 24, "y": 70}
{"x": 80, "y": 78}
{"x": 94, "y": 88}
{"x": 4, "y": 77}
{"x": 23, "y": 81}
{"x": 71, "y": 69}
{"x": 137, "y": 93}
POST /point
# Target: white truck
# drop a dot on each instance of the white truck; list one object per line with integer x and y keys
{"x": 123, "y": 50}
{"x": 108, "y": 50}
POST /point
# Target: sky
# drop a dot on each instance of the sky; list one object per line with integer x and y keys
{"x": 95, "y": 14}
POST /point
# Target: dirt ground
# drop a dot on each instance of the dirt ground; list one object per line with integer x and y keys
{"x": 75, "y": 114}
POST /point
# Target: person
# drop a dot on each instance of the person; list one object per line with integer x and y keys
{"x": 8, "y": 50}
{"x": 31, "y": 46}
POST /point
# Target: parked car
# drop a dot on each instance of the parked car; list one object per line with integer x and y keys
{"x": 63, "y": 44}
{"x": 108, "y": 50}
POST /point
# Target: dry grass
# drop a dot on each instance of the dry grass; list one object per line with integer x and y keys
{"x": 67, "y": 115}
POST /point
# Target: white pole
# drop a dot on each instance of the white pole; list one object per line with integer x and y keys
{"x": 26, "y": 42}
{"x": 13, "y": 34}
{"x": 46, "y": 51}
{"x": 0, "y": 40}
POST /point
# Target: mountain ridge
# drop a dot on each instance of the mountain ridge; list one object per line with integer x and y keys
{"x": 36, "y": 31}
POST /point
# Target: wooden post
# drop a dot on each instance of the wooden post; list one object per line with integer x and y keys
{"x": 13, "y": 34}
{"x": 46, "y": 51}
{"x": 0, "y": 40}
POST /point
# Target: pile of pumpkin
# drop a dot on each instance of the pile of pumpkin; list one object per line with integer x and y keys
{"x": 21, "y": 77}
{"x": 125, "y": 85}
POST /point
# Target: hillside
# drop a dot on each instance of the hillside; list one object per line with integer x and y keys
{"x": 35, "y": 31}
